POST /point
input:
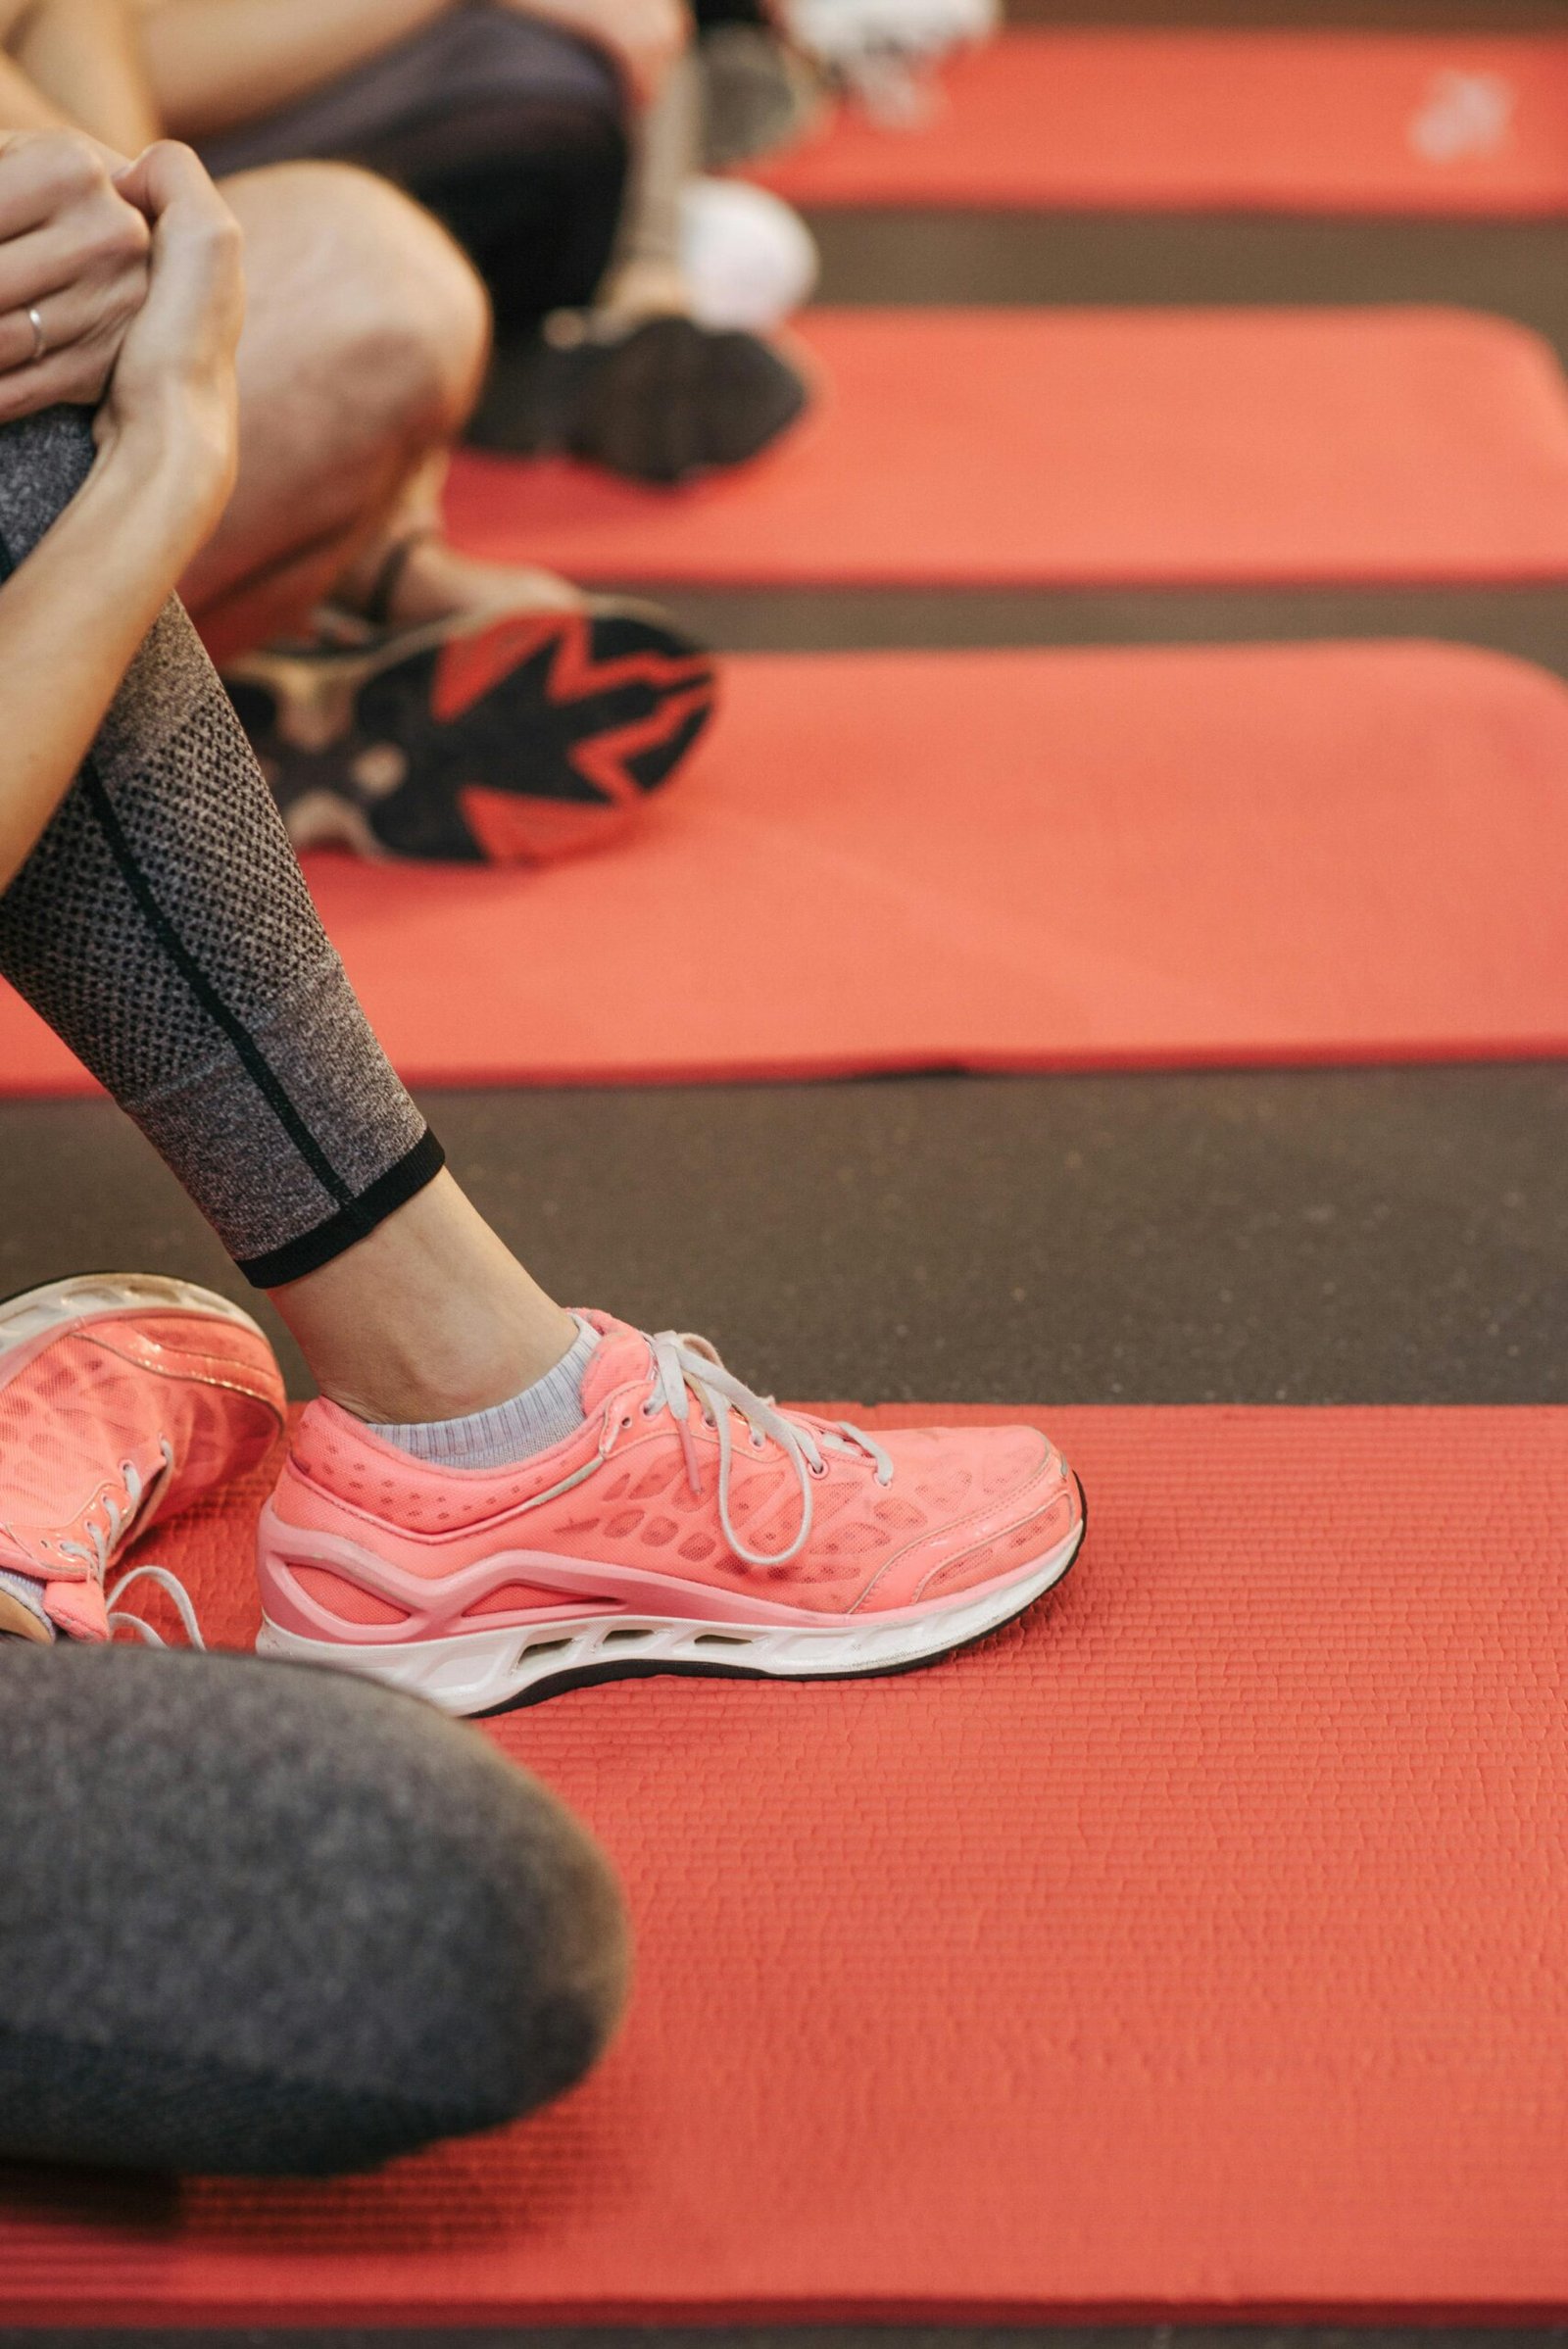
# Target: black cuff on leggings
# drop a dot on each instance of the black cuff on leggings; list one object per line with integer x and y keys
{"x": 351, "y": 1223}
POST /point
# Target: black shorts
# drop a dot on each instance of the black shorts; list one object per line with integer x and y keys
{"x": 513, "y": 132}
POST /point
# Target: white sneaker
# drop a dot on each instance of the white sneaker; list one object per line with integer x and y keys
{"x": 748, "y": 259}
{"x": 885, "y": 50}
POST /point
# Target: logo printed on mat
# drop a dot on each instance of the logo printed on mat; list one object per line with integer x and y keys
{"x": 1463, "y": 114}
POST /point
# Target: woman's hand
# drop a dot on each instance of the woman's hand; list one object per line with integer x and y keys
{"x": 73, "y": 256}
{"x": 173, "y": 400}
{"x": 644, "y": 37}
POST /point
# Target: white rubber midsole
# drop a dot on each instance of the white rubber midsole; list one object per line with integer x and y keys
{"x": 93, "y": 1296}
{"x": 476, "y": 1672}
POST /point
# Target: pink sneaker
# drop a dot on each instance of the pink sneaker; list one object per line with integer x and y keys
{"x": 689, "y": 1526}
{"x": 124, "y": 1397}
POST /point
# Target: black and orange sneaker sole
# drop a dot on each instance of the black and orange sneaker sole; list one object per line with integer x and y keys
{"x": 515, "y": 738}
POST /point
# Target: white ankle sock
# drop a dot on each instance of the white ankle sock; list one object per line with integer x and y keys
{"x": 541, "y": 1416}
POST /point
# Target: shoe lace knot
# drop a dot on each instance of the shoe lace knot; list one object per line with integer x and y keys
{"x": 687, "y": 1368}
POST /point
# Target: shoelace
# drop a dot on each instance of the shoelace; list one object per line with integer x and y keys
{"x": 686, "y": 1365}
{"x": 104, "y": 1539}
{"x": 184, "y": 1609}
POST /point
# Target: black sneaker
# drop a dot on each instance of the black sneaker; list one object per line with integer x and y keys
{"x": 665, "y": 401}
{"x": 510, "y": 738}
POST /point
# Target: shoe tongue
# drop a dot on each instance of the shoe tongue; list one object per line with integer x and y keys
{"x": 622, "y": 1356}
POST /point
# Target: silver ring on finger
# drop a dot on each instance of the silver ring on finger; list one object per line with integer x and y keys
{"x": 40, "y": 340}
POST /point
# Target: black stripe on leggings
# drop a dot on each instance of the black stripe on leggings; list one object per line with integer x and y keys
{"x": 354, "y": 1221}
{"x": 357, "y": 1216}
{"x": 252, "y": 1058}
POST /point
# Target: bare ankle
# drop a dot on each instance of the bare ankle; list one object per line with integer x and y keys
{"x": 431, "y": 1317}
{"x": 417, "y": 1390}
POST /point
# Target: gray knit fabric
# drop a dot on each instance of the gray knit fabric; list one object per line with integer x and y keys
{"x": 162, "y": 927}
{"x": 257, "y": 1918}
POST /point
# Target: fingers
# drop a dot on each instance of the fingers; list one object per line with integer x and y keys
{"x": 47, "y": 174}
{"x": 65, "y": 319}
{"x": 198, "y": 247}
{"x": 166, "y": 174}
{"x": 182, "y": 342}
{"x": 73, "y": 251}
{"x": 107, "y": 241}
{"x": 104, "y": 247}
{"x": 70, "y": 378}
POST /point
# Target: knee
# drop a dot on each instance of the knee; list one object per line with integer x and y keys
{"x": 397, "y": 315}
{"x": 324, "y": 1926}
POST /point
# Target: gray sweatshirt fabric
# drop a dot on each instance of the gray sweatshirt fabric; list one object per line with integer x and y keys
{"x": 265, "y": 1919}
{"x": 163, "y": 929}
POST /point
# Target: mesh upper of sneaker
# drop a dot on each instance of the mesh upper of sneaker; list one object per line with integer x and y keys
{"x": 963, "y": 1504}
{"x": 114, "y": 1391}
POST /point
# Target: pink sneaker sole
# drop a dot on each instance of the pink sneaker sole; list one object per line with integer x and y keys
{"x": 492, "y": 1671}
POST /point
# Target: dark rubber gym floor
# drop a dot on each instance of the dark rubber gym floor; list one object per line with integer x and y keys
{"x": 1375, "y": 1236}
{"x": 1381, "y": 1236}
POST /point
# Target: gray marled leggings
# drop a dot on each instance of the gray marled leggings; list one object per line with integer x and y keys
{"x": 163, "y": 929}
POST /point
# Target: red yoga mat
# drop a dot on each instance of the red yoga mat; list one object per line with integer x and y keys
{"x": 1100, "y": 447}
{"x": 1209, "y": 122}
{"x": 1011, "y": 860}
{"x": 1198, "y": 1948}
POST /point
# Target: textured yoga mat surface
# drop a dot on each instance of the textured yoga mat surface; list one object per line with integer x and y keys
{"x": 1100, "y": 447}
{"x": 1012, "y": 860}
{"x": 1311, "y": 122}
{"x": 1197, "y": 1945}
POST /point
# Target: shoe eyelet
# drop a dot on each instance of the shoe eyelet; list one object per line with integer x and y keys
{"x": 818, "y": 1473}
{"x": 650, "y": 1412}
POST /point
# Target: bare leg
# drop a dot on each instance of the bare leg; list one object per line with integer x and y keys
{"x": 431, "y": 1317}
{"x": 645, "y": 278}
{"x": 363, "y": 352}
